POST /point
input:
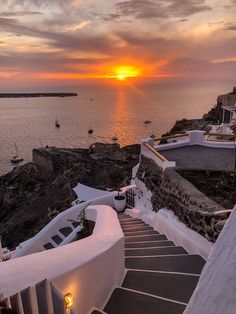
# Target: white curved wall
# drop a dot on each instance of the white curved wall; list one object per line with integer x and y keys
{"x": 194, "y": 138}
{"x": 216, "y": 289}
{"x": 36, "y": 243}
{"x": 89, "y": 268}
{"x": 85, "y": 192}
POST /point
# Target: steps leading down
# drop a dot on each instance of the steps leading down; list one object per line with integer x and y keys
{"x": 160, "y": 277}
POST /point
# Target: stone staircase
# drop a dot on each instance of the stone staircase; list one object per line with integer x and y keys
{"x": 160, "y": 276}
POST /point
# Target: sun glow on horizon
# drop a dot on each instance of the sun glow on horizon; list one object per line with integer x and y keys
{"x": 111, "y": 73}
{"x": 121, "y": 77}
{"x": 124, "y": 72}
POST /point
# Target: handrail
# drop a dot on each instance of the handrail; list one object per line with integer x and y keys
{"x": 169, "y": 137}
{"x": 208, "y": 135}
{"x": 186, "y": 134}
{"x": 221, "y": 141}
{"x": 219, "y": 134}
{"x": 35, "y": 244}
{"x": 158, "y": 155}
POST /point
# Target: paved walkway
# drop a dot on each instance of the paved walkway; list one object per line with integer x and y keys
{"x": 160, "y": 277}
{"x": 198, "y": 157}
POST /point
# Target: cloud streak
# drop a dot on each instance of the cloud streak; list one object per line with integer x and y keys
{"x": 230, "y": 26}
{"x": 167, "y": 37}
{"x": 82, "y": 42}
{"x": 19, "y": 13}
{"x": 147, "y": 9}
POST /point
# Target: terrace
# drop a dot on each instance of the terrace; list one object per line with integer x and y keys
{"x": 196, "y": 150}
{"x": 149, "y": 259}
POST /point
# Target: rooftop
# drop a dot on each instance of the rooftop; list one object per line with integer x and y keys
{"x": 196, "y": 157}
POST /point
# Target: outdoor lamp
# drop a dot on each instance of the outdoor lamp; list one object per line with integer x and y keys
{"x": 68, "y": 300}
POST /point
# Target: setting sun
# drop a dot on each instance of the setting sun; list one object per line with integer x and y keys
{"x": 125, "y": 71}
{"x": 121, "y": 77}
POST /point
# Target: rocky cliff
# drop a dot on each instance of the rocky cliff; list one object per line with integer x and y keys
{"x": 32, "y": 194}
{"x": 213, "y": 116}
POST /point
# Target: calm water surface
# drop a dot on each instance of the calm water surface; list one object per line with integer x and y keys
{"x": 120, "y": 112}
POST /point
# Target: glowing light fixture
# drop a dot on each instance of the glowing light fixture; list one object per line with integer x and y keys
{"x": 68, "y": 300}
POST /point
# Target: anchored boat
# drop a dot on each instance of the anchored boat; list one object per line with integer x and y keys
{"x": 57, "y": 124}
{"x": 16, "y": 159}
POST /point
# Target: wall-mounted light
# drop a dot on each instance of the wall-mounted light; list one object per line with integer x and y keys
{"x": 68, "y": 300}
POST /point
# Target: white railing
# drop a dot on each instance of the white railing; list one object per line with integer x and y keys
{"x": 89, "y": 269}
{"x": 201, "y": 138}
{"x": 36, "y": 243}
{"x": 148, "y": 150}
{"x": 42, "y": 298}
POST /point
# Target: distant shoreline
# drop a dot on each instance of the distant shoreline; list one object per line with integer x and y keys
{"x": 27, "y": 95}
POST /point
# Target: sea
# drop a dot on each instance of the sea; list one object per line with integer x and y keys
{"x": 111, "y": 111}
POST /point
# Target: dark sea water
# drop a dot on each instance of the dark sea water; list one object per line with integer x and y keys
{"x": 111, "y": 111}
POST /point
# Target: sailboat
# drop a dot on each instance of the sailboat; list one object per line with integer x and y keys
{"x": 15, "y": 159}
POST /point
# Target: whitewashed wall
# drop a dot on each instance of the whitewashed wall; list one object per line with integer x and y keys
{"x": 216, "y": 289}
{"x": 36, "y": 243}
{"x": 194, "y": 138}
{"x": 89, "y": 268}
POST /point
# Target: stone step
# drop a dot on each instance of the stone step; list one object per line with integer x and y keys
{"x": 149, "y": 244}
{"x": 139, "y": 225}
{"x": 176, "y": 287}
{"x": 172, "y": 250}
{"x": 191, "y": 264}
{"x": 142, "y": 232}
{"x": 123, "y": 301}
{"x": 161, "y": 277}
{"x": 137, "y": 229}
{"x": 157, "y": 237}
{"x": 124, "y": 216}
{"x": 128, "y": 220}
{"x": 131, "y": 225}
{"x": 127, "y": 223}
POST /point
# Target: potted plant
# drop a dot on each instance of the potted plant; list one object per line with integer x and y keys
{"x": 119, "y": 201}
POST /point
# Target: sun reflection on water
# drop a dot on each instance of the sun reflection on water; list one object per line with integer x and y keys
{"x": 122, "y": 112}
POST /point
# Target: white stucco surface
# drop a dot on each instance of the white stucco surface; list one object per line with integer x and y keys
{"x": 164, "y": 221}
{"x": 89, "y": 268}
{"x": 216, "y": 290}
{"x": 134, "y": 172}
{"x": 85, "y": 192}
{"x": 142, "y": 200}
{"x": 36, "y": 243}
{"x": 163, "y": 164}
{"x": 193, "y": 138}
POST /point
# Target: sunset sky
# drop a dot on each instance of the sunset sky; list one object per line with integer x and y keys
{"x": 70, "y": 40}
